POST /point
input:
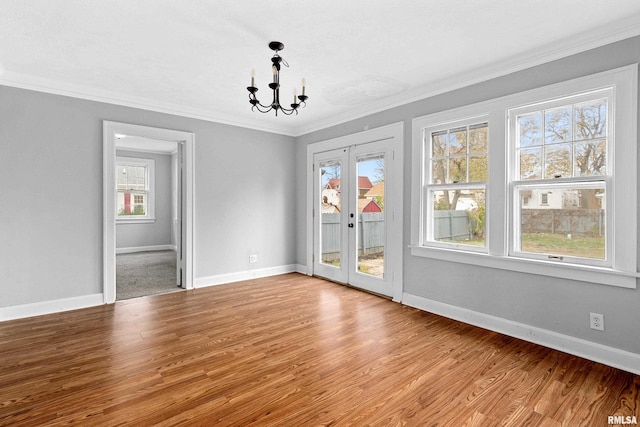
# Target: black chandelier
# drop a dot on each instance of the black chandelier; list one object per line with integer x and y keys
{"x": 298, "y": 100}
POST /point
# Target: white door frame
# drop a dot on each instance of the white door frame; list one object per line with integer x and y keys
{"x": 394, "y": 249}
{"x": 110, "y": 129}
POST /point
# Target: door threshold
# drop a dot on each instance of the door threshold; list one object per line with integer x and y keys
{"x": 353, "y": 287}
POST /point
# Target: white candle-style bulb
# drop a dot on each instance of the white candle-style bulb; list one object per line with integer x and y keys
{"x": 303, "y": 84}
{"x": 295, "y": 94}
{"x": 253, "y": 74}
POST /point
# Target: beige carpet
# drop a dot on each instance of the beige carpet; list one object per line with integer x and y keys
{"x": 145, "y": 273}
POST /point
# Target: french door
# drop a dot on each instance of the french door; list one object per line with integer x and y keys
{"x": 352, "y": 214}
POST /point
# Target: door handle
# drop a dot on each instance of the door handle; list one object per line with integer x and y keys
{"x": 350, "y": 225}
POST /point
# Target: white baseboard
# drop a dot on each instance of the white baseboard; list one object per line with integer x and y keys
{"x": 48, "y": 307}
{"x": 610, "y": 356}
{"x": 66, "y": 304}
{"x": 146, "y": 249}
{"x": 302, "y": 269}
{"x": 221, "y": 279}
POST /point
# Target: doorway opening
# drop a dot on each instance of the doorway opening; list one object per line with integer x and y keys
{"x": 148, "y": 217}
{"x": 148, "y": 239}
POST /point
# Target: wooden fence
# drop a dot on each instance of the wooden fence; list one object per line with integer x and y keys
{"x": 370, "y": 236}
{"x": 456, "y": 225}
{"x": 451, "y": 225}
{"x": 565, "y": 221}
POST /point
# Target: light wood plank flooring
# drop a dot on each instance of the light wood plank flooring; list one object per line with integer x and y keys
{"x": 290, "y": 350}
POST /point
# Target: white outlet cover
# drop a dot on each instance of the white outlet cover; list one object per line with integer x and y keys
{"x": 596, "y": 321}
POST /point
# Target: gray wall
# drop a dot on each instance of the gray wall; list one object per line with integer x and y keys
{"x": 159, "y": 232}
{"x": 250, "y": 190}
{"x": 557, "y": 305}
{"x": 51, "y": 195}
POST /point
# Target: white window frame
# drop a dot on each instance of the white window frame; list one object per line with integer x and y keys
{"x": 150, "y": 180}
{"x": 621, "y": 203}
{"x": 430, "y": 187}
{"x": 546, "y": 183}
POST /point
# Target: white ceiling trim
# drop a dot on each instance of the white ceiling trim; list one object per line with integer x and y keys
{"x": 23, "y": 81}
{"x": 620, "y": 30}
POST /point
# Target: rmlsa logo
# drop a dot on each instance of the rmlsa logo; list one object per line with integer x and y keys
{"x": 621, "y": 419}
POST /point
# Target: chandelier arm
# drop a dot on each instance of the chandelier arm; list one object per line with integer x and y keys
{"x": 255, "y": 103}
{"x": 262, "y": 108}
{"x": 290, "y": 111}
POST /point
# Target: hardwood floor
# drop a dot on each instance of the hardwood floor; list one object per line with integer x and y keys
{"x": 291, "y": 350}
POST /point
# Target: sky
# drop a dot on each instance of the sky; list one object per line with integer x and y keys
{"x": 367, "y": 168}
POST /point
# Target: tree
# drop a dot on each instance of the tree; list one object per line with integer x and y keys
{"x": 574, "y": 143}
{"x": 329, "y": 172}
{"x": 465, "y": 160}
{"x": 378, "y": 174}
{"x": 462, "y": 159}
{"x": 591, "y": 152}
{"x": 591, "y": 128}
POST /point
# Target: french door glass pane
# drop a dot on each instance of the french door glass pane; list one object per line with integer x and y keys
{"x": 370, "y": 218}
{"x": 330, "y": 208}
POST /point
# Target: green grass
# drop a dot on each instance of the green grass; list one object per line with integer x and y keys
{"x": 332, "y": 262}
{"x": 363, "y": 268}
{"x": 584, "y": 246}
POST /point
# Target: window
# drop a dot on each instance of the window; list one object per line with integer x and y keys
{"x": 542, "y": 182}
{"x": 134, "y": 182}
{"x": 544, "y": 200}
{"x": 456, "y": 175}
{"x": 561, "y": 152}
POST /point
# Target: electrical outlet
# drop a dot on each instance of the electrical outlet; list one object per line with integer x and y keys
{"x": 596, "y": 321}
{"x": 253, "y": 258}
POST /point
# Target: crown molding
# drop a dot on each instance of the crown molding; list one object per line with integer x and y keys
{"x": 28, "y": 82}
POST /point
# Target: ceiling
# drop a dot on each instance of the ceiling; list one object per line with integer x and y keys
{"x": 194, "y": 58}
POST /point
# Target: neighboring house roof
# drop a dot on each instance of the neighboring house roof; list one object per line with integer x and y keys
{"x": 364, "y": 183}
{"x": 368, "y": 205}
{"x": 333, "y": 184}
{"x": 376, "y": 191}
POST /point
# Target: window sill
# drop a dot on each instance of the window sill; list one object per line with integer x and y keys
{"x": 599, "y": 275}
{"x": 136, "y": 221}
